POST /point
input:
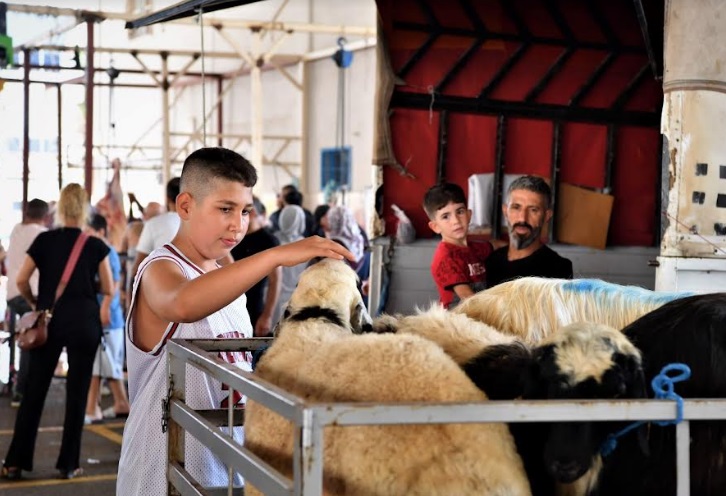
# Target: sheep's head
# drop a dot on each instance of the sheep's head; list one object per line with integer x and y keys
{"x": 583, "y": 361}
{"x": 329, "y": 290}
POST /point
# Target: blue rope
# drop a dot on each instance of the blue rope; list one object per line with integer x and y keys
{"x": 663, "y": 387}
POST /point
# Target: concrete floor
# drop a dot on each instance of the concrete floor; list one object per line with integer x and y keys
{"x": 99, "y": 453}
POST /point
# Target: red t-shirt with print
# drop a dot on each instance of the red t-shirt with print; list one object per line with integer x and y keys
{"x": 454, "y": 265}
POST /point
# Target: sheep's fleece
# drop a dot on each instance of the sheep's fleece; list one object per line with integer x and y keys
{"x": 322, "y": 361}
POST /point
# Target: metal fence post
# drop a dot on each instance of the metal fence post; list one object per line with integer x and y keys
{"x": 683, "y": 458}
{"x": 176, "y": 387}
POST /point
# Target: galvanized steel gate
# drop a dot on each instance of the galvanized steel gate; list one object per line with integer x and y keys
{"x": 310, "y": 420}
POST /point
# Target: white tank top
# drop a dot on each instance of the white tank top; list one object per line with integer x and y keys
{"x": 142, "y": 466}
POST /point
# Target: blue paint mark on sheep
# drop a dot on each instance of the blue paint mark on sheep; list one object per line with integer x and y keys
{"x": 599, "y": 288}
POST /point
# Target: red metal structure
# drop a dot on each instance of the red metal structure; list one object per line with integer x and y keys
{"x": 564, "y": 89}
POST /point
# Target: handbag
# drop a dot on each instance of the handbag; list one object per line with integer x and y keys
{"x": 33, "y": 325}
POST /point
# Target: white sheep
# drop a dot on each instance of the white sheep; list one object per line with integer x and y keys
{"x": 532, "y": 308}
{"x": 317, "y": 357}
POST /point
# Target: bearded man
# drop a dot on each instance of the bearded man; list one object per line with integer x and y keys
{"x": 527, "y": 209}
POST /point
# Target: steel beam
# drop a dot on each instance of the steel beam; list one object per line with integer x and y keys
{"x": 59, "y": 89}
{"x": 443, "y": 141}
{"x": 422, "y": 101}
{"x": 493, "y": 35}
{"x": 26, "y": 126}
{"x": 165, "y": 120}
{"x": 90, "y": 53}
{"x": 499, "y": 177}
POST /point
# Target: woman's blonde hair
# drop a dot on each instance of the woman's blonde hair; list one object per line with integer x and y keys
{"x": 72, "y": 206}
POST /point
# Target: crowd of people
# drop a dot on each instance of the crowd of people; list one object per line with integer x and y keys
{"x": 212, "y": 265}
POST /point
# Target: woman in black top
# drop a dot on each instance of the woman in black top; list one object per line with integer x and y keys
{"x": 76, "y": 325}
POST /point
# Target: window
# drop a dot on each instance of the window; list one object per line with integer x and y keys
{"x": 335, "y": 168}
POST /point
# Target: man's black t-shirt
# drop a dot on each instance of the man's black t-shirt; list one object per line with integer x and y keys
{"x": 252, "y": 243}
{"x": 542, "y": 263}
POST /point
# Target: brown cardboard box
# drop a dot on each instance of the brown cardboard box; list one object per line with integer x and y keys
{"x": 583, "y": 216}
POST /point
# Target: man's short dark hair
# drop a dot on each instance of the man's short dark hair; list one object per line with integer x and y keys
{"x": 172, "y": 189}
{"x": 532, "y": 183}
{"x": 293, "y": 197}
{"x": 36, "y": 209}
{"x": 437, "y": 197}
{"x": 206, "y": 164}
{"x": 258, "y": 206}
{"x": 97, "y": 222}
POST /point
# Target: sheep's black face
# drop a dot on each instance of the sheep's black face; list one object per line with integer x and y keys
{"x": 572, "y": 447}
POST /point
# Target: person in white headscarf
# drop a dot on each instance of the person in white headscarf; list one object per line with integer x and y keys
{"x": 341, "y": 226}
{"x": 292, "y": 228}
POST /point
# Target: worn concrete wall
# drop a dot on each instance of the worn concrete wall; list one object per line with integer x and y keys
{"x": 694, "y": 110}
{"x": 696, "y": 211}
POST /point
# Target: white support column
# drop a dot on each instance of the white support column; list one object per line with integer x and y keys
{"x": 694, "y": 110}
{"x": 305, "y": 148}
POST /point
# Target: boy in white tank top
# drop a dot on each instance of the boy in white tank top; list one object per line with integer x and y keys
{"x": 181, "y": 291}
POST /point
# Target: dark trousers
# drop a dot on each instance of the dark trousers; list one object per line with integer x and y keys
{"x": 41, "y": 366}
{"x": 17, "y": 306}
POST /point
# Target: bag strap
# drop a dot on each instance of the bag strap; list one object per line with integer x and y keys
{"x": 70, "y": 265}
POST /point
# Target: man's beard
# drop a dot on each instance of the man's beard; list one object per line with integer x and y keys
{"x": 522, "y": 241}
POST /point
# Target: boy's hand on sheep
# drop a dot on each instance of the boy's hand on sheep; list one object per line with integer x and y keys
{"x": 312, "y": 247}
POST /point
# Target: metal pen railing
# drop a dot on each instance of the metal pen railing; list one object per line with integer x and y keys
{"x": 310, "y": 420}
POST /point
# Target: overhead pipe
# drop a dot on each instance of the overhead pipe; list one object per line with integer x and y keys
{"x": 88, "y": 164}
{"x": 26, "y": 126}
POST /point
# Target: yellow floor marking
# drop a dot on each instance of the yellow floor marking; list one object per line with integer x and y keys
{"x": 9, "y": 432}
{"x": 104, "y": 431}
{"x": 59, "y": 428}
{"x": 53, "y": 482}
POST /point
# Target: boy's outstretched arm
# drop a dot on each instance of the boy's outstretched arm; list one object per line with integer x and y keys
{"x": 171, "y": 297}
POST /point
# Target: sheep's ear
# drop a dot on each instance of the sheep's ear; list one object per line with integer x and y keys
{"x": 360, "y": 320}
{"x": 500, "y": 370}
{"x": 535, "y": 385}
{"x": 631, "y": 373}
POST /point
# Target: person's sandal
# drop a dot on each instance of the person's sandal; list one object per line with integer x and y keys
{"x": 11, "y": 473}
{"x": 71, "y": 474}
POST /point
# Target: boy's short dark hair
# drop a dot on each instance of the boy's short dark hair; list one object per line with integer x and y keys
{"x": 532, "y": 183}
{"x": 36, "y": 209}
{"x": 97, "y": 222}
{"x": 172, "y": 189}
{"x": 437, "y": 197}
{"x": 293, "y": 197}
{"x": 207, "y": 164}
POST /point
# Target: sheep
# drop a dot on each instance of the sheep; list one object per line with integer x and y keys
{"x": 492, "y": 360}
{"x": 317, "y": 356}
{"x": 533, "y": 308}
{"x": 594, "y": 361}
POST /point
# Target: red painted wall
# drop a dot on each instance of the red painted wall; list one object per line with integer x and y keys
{"x": 472, "y": 138}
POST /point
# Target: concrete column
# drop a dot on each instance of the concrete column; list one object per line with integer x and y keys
{"x": 694, "y": 109}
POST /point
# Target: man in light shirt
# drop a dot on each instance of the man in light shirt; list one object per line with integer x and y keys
{"x": 21, "y": 237}
{"x": 159, "y": 230}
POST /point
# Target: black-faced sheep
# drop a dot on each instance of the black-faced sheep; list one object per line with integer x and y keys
{"x": 317, "y": 357}
{"x": 590, "y": 361}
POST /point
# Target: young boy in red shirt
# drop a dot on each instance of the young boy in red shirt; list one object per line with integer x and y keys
{"x": 458, "y": 263}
